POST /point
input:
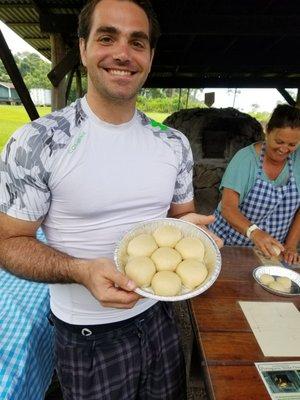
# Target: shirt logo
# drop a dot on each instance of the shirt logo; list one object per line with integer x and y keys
{"x": 76, "y": 142}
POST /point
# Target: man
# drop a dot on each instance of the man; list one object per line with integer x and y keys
{"x": 87, "y": 174}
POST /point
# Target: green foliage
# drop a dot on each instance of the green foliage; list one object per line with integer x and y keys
{"x": 33, "y": 69}
{"x": 261, "y": 116}
{"x": 165, "y": 104}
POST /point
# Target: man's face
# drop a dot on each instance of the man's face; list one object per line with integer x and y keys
{"x": 117, "y": 53}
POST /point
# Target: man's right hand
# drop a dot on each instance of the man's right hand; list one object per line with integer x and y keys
{"x": 101, "y": 278}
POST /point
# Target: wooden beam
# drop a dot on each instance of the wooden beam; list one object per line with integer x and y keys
{"x": 64, "y": 66}
{"x": 16, "y": 78}
{"x": 221, "y": 81}
{"x": 58, "y": 23}
{"x": 237, "y": 25}
{"x": 285, "y": 94}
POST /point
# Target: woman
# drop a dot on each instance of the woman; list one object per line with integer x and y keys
{"x": 261, "y": 191}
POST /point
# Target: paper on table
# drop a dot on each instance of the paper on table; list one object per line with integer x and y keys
{"x": 276, "y": 326}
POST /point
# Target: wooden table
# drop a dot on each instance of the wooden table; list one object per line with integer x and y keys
{"x": 224, "y": 337}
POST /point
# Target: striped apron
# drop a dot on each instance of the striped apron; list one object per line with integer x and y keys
{"x": 271, "y": 208}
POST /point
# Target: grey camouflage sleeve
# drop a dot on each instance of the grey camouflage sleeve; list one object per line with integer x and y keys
{"x": 24, "y": 192}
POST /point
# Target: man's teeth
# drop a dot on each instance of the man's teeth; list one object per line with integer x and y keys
{"x": 119, "y": 72}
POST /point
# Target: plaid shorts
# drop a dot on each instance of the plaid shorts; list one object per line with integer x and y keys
{"x": 141, "y": 360}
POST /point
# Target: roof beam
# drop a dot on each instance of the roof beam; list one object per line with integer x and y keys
{"x": 225, "y": 82}
{"x": 285, "y": 94}
{"x": 237, "y": 25}
{"x": 16, "y": 78}
{"x": 58, "y": 23}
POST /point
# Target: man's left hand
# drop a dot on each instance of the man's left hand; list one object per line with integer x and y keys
{"x": 202, "y": 220}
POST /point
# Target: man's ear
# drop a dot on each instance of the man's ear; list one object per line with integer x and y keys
{"x": 82, "y": 48}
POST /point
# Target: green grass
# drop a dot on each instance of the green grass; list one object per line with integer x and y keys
{"x": 13, "y": 117}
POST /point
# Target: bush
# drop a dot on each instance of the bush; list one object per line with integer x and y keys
{"x": 165, "y": 104}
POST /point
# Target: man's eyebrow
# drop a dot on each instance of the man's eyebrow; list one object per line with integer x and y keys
{"x": 139, "y": 35}
{"x": 107, "y": 29}
{"x": 115, "y": 31}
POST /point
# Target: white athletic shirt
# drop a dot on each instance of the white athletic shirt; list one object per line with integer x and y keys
{"x": 90, "y": 182}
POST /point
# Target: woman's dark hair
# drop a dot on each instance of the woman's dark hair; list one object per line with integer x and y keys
{"x": 86, "y": 14}
{"x": 284, "y": 116}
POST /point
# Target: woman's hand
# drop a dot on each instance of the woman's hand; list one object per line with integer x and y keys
{"x": 290, "y": 255}
{"x": 266, "y": 243}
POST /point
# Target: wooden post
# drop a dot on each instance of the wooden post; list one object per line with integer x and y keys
{"x": 78, "y": 83}
{"x": 58, "y": 51}
{"x": 298, "y": 98}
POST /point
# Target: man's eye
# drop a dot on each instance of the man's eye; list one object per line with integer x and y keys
{"x": 105, "y": 39}
{"x": 138, "y": 44}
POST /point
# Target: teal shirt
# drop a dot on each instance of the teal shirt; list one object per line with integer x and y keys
{"x": 241, "y": 172}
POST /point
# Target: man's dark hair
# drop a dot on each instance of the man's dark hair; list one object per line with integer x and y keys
{"x": 284, "y": 116}
{"x": 86, "y": 14}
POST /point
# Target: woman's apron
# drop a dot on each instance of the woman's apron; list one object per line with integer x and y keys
{"x": 271, "y": 208}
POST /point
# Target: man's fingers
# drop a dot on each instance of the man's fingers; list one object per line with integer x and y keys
{"x": 198, "y": 219}
{"x": 119, "y": 279}
{"x": 119, "y": 297}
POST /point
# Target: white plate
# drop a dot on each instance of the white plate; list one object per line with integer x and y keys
{"x": 212, "y": 256}
{"x": 278, "y": 271}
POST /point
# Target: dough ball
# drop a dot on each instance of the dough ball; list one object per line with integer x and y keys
{"x": 192, "y": 272}
{"x": 276, "y": 250}
{"x": 166, "y": 259}
{"x": 167, "y": 236}
{"x": 284, "y": 281}
{"x": 166, "y": 283}
{"x": 266, "y": 279}
{"x": 142, "y": 245}
{"x": 140, "y": 270}
{"x": 190, "y": 247}
{"x": 277, "y": 286}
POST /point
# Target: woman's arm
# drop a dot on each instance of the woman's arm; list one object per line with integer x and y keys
{"x": 290, "y": 254}
{"x": 231, "y": 212}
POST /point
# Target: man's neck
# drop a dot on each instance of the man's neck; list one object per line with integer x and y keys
{"x": 112, "y": 112}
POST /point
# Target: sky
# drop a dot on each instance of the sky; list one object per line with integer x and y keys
{"x": 266, "y": 99}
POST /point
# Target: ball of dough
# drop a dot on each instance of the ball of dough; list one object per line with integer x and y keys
{"x": 167, "y": 236}
{"x": 192, "y": 272}
{"x": 166, "y": 283}
{"x": 166, "y": 259}
{"x": 142, "y": 245}
{"x": 265, "y": 279}
{"x": 141, "y": 270}
{"x": 190, "y": 247}
{"x": 284, "y": 281}
{"x": 277, "y": 286}
{"x": 276, "y": 250}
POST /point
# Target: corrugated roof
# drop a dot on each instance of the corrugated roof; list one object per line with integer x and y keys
{"x": 212, "y": 43}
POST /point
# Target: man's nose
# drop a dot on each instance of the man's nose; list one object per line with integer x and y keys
{"x": 122, "y": 52}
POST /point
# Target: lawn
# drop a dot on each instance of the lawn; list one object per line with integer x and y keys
{"x": 13, "y": 117}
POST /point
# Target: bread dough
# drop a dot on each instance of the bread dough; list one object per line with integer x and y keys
{"x": 284, "y": 281}
{"x": 190, "y": 247}
{"x": 142, "y": 245}
{"x": 265, "y": 279}
{"x": 141, "y": 270}
{"x": 166, "y": 259}
{"x": 277, "y": 286}
{"x": 192, "y": 272}
{"x": 276, "y": 250}
{"x": 167, "y": 236}
{"x": 166, "y": 283}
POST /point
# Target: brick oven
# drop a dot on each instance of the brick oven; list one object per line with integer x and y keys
{"x": 215, "y": 136}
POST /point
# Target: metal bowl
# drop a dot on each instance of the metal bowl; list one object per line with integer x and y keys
{"x": 212, "y": 256}
{"x": 277, "y": 271}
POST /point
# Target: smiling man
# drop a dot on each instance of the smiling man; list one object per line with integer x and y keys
{"x": 86, "y": 174}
